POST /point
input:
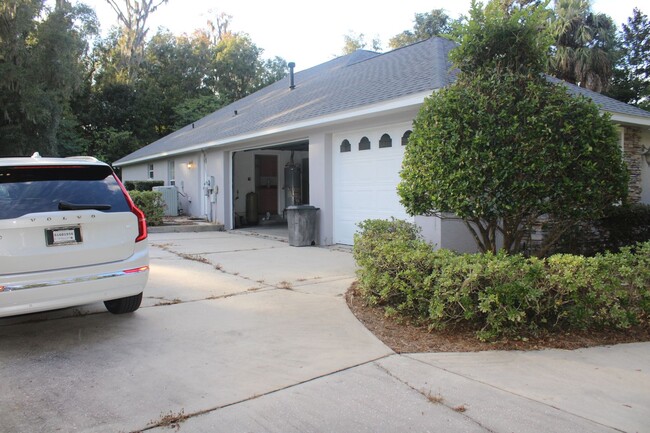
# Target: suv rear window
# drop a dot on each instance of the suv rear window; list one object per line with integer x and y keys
{"x": 30, "y": 189}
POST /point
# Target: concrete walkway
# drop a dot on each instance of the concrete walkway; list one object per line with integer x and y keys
{"x": 243, "y": 333}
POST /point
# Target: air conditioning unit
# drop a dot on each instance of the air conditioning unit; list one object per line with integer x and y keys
{"x": 170, "y": 198}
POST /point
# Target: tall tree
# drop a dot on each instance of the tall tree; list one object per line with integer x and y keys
{"x": 219, "y": 26}
{"x": 631, "y": 81}
{"x": 503, "y": 146}
{"x": 584, "y": 48}
{"x": 425, "y": 26}
{"x": 357, "y": 41}
{"x": 238, "y": 67}
{"x": 133, "y": 16}
{"x": 40, "y": 69}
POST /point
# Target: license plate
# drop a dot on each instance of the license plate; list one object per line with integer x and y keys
{"x": 63, "y": 236}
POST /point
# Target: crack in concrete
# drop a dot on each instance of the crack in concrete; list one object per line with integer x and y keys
{"x": 167, "y": 247}
{"x": 186, "y": 416}
{"x": 513, "y": 393}
{"x": 437, "y": 400}
{"x": 167, "y": 302}
{"x": 197, "y": 257}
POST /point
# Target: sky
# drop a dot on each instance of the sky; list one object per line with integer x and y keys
{"x": 309, "y": 33}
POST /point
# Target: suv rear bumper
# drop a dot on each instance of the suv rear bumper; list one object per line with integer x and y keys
{"x": 34, "y": 292}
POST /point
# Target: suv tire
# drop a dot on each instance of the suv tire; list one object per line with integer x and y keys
{"x": 124, "y": 305}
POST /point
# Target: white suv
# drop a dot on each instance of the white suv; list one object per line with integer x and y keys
{"x": 69, "y": 235}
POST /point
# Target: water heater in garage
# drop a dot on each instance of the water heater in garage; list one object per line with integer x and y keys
{"x": 292, "y": 184}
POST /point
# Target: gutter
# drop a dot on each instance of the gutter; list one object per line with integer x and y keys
{"x": 396, "y": 104}
{"x": 629, "y": 119}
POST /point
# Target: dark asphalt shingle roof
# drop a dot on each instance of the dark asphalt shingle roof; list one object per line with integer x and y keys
{"x": 344, "y": 83}
{"x": 353, "y": 81}
{"x": 604, "y": 102}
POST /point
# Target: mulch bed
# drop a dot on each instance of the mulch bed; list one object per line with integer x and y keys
{"x": 179, "y": 221}
{"x": 403, "y": 337}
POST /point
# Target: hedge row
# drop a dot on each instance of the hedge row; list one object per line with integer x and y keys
{"x": 151, "y": 203}
{"x": 500, "y": 295}
{"x": 142, "y": 185}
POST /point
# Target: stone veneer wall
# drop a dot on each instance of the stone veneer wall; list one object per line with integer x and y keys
{"x": 632, "y": 155}
{"x": 632, "y": 150}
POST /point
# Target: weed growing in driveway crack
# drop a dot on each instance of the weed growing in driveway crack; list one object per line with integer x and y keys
{"x": 170, "y": 420}
{"x": 436, "y": 399}
{"x": 168, "y": 302}
{"x": 195, "y": 257}
{"x": 460, "y": 408}
{"x": 285, "y": 285}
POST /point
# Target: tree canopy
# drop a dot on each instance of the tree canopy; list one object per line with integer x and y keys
{"x": 502, "y": 146}
{"x": 584, "y": 45}
{"x": 133, "y": 16}
{"x": 425, "y": 25}
{"x": 41, "y": 68}
{"x": 64, "y": 90}
{"x": 631, "y": 81}
{"x": 353, "y": 42}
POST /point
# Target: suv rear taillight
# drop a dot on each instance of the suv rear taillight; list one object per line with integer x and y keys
{"x": 142, "y": 220}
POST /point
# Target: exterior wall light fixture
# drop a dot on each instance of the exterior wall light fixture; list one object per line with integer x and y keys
{"x": 190, "y": 165}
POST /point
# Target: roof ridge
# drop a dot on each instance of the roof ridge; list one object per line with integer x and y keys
{"x": 402, "y": 48}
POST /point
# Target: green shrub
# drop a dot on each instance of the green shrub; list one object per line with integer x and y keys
{"x": 622, "y": 226}
{"x": 142, "y": 185}
{"x": 151, "y": 203}
{"x": 500, "y": 295}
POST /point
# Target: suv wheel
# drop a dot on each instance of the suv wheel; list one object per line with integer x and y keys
{"x": 124, "y": 305}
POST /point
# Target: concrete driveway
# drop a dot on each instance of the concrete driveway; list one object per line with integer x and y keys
{"x": 241, "y": 333}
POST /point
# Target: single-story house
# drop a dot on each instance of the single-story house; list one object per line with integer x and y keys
{"x": 332, "y": 136}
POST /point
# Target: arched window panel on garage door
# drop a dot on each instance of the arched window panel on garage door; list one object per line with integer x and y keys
{"x": 345, "y": 146}
{"x": 405, "y": 137}
{"x": 364, "y": 144}
{"x": 385, "y": 141}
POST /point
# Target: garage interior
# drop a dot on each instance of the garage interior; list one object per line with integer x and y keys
{"x": 265, "y": 182}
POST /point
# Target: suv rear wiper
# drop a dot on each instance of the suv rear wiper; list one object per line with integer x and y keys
{"x": 65, "y": 205}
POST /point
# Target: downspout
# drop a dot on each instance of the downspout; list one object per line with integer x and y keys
{"x": 206, "y": 200}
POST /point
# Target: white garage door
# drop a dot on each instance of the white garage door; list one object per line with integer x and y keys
{"x": 365, "y": 181}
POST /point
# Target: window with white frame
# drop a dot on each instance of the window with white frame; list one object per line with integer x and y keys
{"x": 171, "y": 172}
{"x": 150, "y": 171}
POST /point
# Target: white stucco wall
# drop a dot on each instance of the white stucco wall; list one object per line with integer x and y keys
{"x": 456, "y": 236}
{"x": 187, "y": 182}
{"x": 431, "y": 229}
{"x": 141, "y": 171}
{"x": 320, "y": 184}
{"x": 134, "y": 172}
{"x": 244, "y": 178}
{"x": 215, "y": 163}
{"x": 449, "y": 232}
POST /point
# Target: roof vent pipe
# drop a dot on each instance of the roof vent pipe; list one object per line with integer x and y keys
{"x": 291, "y": 75}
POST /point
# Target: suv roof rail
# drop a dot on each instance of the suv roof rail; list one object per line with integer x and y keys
{"x": 83, "y": 158}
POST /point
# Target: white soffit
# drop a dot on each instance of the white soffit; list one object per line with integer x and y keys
{"x": 365, "y": 111}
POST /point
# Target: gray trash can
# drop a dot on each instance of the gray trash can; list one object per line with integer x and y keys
{"x": 302, "y": 225}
